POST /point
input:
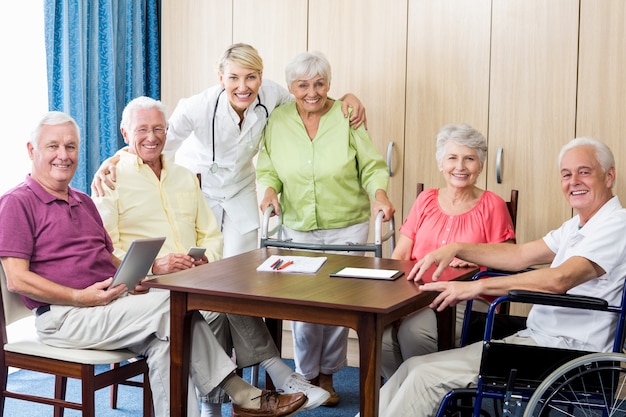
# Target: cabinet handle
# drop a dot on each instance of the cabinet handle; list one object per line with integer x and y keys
{"x": 389, "y": 152}
{"x": 499, "y": 166}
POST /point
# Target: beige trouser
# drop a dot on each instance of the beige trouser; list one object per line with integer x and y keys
{"x": 417, "y": 387}
{"x": 417, "y": 335}
{"x": 141, "y": 323}
{"x": 248, "y": 336}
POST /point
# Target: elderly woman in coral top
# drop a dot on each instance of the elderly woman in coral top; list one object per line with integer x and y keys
{"x": 458, "y": 212}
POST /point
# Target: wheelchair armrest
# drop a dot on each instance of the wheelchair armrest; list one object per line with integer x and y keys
{"x": 497, "y": 273}
{"x": 559, "y": 300}
{"x": 502, "y": 272}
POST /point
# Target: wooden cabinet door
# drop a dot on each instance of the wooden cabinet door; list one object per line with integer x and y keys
{"x": 601, "y": 111}
{"x": 447, "y": 81}
{"x": 194, "y": 34}
{"x": 276, "y": 28}
{"x": 365, "y": 42}
{"x": 532, "y": 106}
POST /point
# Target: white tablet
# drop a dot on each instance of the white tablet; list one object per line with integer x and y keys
{"x": 137, "y": 262}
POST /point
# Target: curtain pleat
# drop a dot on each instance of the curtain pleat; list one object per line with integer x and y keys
{"x": 100, "y": 55}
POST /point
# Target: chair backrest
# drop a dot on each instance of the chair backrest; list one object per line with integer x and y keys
{"x": 511, "y": 204}
{"x": 12, "y": 308}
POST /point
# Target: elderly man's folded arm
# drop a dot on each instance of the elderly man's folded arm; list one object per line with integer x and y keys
{"x": 506, "y": 257}
{"x": 557, "y": 280}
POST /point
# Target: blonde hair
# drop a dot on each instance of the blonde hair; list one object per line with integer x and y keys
{"x": 243, "y": 55}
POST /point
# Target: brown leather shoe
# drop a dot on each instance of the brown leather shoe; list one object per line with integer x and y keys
{"x": 273, "y": 405}
{"x": 326, "y": 382}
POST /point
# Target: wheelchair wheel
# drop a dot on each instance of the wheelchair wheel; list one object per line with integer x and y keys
{"x": 589, "y": 386}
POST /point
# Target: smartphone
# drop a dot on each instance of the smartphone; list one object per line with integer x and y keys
{"x": 196, "y": 252}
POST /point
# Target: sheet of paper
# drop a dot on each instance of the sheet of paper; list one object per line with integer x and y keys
{"x": 298, "y": 264}
{"x": 348, "y": 272}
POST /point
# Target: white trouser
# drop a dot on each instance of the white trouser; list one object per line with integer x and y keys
{"x": 234, "y": 241}
{"x": 419, "y": 384}
{"x": 320, "y": 348}
{"x": 140, "y": 323}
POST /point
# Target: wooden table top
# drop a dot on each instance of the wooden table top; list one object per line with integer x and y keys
{"x": 237, "y": 277}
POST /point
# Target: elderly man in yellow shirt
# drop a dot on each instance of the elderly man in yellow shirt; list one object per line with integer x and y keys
{"x": 154, "y": 197}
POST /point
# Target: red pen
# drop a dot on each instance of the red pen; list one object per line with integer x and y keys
{"x": 275, "y": 264}
{"x": 285, "y": 265}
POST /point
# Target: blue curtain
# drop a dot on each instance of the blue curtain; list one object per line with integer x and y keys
{"x": 100, "y": 55}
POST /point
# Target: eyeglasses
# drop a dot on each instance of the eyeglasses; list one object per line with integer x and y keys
{"x": 157, "y": 131}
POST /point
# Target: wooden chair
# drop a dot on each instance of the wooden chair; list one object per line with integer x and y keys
{"x": 27, "y": 352}
{"x": 446, "y": 319}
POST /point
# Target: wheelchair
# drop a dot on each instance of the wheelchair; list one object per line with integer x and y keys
{"x": 592, "y": 385}
{"x": 539, "y": 381}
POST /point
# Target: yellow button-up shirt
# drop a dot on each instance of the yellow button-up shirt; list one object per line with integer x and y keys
{"x": 173, "y": 206}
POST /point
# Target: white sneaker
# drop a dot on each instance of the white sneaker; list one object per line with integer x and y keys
{"x": 298, "y": 383}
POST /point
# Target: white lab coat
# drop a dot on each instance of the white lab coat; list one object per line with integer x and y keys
{"x": 189, "y": 137}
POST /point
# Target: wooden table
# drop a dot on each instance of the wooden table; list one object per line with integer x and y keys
{"x": 233, "y": 285}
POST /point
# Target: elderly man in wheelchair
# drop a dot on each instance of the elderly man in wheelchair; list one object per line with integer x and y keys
{"x": 587, "y": 256}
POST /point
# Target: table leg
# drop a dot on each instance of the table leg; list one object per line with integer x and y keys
{"x": 180, "y": 331}
{"x": 370, "y": 332}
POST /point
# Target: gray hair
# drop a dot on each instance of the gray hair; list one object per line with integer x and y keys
{"x": 307, "y": 65}
{"x": 604, "y": 155}
{"x": 464, "y": 135}
{"x": 141, "y": 103}
{"x": 52, "y": 118}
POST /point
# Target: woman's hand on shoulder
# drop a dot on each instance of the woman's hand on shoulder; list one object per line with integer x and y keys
{"x": 105, "y": 174}
{"x": 358, "y": 118}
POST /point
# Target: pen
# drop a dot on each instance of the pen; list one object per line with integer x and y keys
{"x": 275, "y": 264}
{"x": 285, "y": 265}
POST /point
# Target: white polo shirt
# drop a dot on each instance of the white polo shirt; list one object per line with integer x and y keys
{"x": 601, "y": 240}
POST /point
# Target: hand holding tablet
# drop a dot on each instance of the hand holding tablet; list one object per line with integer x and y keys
{"x": 137, "y": 262}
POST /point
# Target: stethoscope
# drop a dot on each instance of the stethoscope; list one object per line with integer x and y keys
{"x": 214, "y": 166}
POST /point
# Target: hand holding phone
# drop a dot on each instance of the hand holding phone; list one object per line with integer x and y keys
{"x": 196, "y": 252}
